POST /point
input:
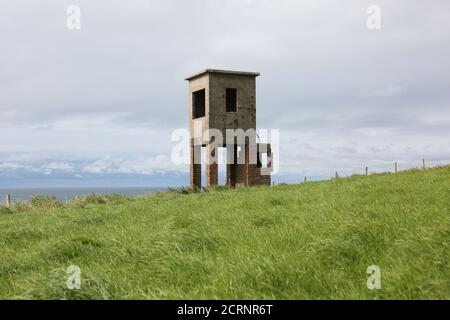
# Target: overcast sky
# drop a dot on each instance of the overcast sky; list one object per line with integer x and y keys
{"x": 98, "y": 104}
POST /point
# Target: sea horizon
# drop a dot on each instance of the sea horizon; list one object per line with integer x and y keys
{"x": 19, "y": 194}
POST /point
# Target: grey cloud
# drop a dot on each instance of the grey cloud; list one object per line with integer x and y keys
{"x": 335, "y": 89}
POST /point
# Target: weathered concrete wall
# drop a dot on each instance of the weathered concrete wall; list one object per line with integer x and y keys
{"x": 198, "y": 83}
{"x": 245, "y": 116}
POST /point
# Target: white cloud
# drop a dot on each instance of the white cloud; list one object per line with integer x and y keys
{"x": 7, "y": 166}
{"x": 99, "y": 166}
{"x": 144, "y": 165}
{"x": 58, "y": 166}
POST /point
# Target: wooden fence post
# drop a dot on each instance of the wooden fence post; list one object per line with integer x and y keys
{"x": 423, "y": 164}
{"x": 337, "y": 176}
{"x": 305, "y": 179}
{"x": 396, "y": 167}
{"x": 367, "y": 171}
{"x": 8, "y": 201}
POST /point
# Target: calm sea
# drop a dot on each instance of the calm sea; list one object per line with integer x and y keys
{"x": 65, "y": 194}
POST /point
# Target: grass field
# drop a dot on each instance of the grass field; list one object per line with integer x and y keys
{"x": 308, "y": 241}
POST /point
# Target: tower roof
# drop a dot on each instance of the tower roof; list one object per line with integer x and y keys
{"x": 241, "y": 73}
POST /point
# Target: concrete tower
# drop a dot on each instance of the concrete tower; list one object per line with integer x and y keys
{"x": 222, "y": 104}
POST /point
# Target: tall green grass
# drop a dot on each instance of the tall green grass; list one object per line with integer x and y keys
{"x": 308, "y": 241}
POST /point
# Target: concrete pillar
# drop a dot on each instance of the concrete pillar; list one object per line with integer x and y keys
{"x": 231, "y": 165}
{"x": 247, "y": 162}
{"x": 196, "y": 166}
{"x": 212, "y": 169}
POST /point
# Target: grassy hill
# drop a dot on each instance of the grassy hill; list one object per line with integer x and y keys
{"x": 308, "y": 241}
